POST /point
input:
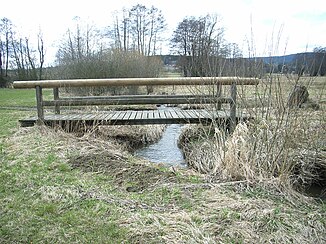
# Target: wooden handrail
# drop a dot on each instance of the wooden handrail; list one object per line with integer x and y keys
{"x": 136, "y": 82}
{"x": 136, "y": 99}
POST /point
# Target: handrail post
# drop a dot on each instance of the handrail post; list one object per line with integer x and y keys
{"x": 39, "y": 104}
{"x": 233, "y": 107}
{"x": 56, "y": 98}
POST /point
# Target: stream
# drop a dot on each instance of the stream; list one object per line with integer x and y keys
{"x": 166, "y": 149}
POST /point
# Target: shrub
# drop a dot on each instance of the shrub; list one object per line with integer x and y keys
{"x": 112, "y": 64}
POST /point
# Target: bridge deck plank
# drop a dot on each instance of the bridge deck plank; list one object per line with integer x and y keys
{"x": 169, "y": 116}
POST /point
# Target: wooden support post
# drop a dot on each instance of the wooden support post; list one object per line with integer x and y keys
{"x": 55, "y": 98}
{"x": 39, "y": 104}
{"x": 233, "y": 107}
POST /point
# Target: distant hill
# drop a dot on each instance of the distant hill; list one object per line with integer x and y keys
{"x": 285, "y": 59}
{"x": 278, "y": 59}
{"x": 312, "y": 63}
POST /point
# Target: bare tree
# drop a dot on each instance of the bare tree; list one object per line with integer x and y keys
{"x": 1, "y": 58}
{"x": 138, "y": 29}
{"x": 126, "y": 30}
{"x": 19, "y": 58}
{"x": 79, "y": 43}
{"x": 6, "y": 29}
{"x": 200, "y": 42}
{"x": 41, "y": 52}
{"x": 24, "y": 59}
{"x": 139, "y": 26}
{"x": 19, "y": 54}
{"x": 117, "y": 36}
{"x": 30, "y": 59}
{"x": 120, "y": 32}
{"x": 157, "y": 25}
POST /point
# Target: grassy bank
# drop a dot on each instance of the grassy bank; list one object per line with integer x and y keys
{"x": 70, "y": 188}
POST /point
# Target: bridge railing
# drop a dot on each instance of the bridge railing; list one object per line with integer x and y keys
{"x": 58, "y": 101}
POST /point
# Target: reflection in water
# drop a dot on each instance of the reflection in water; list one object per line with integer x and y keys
{"x": 166, "y": 149}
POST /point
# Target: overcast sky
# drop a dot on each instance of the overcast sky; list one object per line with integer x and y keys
{"x": 278, "y": 26}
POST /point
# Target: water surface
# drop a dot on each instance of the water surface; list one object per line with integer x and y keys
{"x": 166, "y": 149}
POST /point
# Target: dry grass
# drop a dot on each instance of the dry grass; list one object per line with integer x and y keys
{"x": 229, "y": 215}
{"x": 112, "y": 142}
{"x": 281, "y": 145}
{"x": 261, "y": 154}
{"x": 133, "y": 136}
{"x": 46, "y": 141}
{"x": 95, "y": 179}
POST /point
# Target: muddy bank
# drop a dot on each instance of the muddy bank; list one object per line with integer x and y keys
{"x": 195, "y": 142}
{"x": 124, "y": 173}
{"x": 131, "y": 137}
{"x": 104, "y": 151}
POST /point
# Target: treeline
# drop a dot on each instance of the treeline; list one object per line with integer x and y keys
{"x": 129, "y": 48}
{"x": 125, "y": 49}
{"x": 135, "y": 36}
{"x": 18, "y": 58}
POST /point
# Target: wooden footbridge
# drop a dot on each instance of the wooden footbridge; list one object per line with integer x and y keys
{"x": 169, "y": 115}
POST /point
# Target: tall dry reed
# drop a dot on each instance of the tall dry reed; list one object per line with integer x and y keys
{"x": 280, "y": 144}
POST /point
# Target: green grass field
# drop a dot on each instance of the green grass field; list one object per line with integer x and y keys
{"x": 19, "y": 97}
{"x": 16, "y": 104}
{"x": 65, "y": 188}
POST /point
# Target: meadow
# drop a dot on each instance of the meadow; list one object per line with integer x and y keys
{"x": 88, "y": 187}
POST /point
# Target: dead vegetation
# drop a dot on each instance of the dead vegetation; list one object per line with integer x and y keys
{"x": 134, "y": 177}
{"x": 230, "y": 214}
{"x": 156, "y": 204}
{"x": 132, "y": 137}
{"x": 283, "y": 145}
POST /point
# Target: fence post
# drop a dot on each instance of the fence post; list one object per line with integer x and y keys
{"x": 233, "y": 107}
{"x": 39, "y": 104}
{"x": 55, "y": 98}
